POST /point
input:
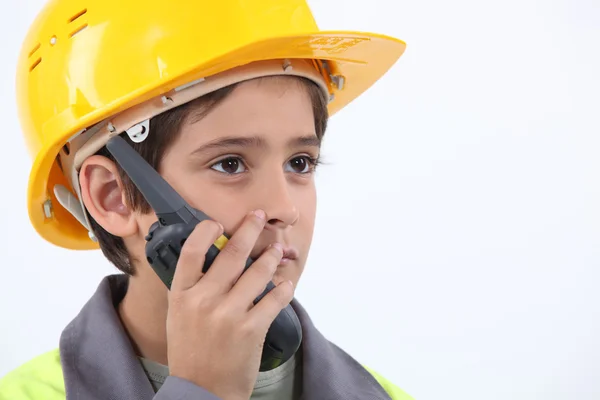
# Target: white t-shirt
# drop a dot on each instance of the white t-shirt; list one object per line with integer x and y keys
{"x": 281, "y": 383}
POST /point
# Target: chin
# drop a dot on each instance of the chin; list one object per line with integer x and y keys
{"x": 289, "y": 271}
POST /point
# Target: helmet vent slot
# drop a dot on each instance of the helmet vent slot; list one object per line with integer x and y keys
{"x": 78, "y": 30}
{"x": 79, "y": 14}
{"x": 35, "y": 64}
{"x": 36, "y": 48}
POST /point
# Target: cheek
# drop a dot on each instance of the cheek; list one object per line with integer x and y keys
{"x": 221, "y": 203}
{"x": 145, "y": 221}
{"x": 306, "y": 201}
{"x": 227, "y": 208}
{"x": 309, "y": 205}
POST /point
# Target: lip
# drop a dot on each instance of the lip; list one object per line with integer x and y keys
{"x": 289, "y": 254}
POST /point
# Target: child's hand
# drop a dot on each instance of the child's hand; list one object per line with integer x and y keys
{"x": 214, "y": 332}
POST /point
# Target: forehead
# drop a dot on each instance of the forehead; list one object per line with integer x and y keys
{"x": 273, "y": 108}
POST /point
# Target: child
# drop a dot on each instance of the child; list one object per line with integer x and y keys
{"x": 229, "y": 103}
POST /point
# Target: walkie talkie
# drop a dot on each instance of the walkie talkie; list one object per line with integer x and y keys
{"x": 176, "y": 221}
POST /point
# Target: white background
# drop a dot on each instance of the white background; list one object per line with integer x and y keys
{"x": 456, "y": 248}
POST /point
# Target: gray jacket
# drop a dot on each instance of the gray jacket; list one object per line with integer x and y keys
{"x": 98, "y": 360}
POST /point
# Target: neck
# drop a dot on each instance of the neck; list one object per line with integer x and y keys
{"x": 143, "y": 313}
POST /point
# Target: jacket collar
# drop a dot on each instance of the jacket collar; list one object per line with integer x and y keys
{"x": 99, "y": 361}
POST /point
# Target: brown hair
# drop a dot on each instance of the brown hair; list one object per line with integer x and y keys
{"x": 164, "y": 130}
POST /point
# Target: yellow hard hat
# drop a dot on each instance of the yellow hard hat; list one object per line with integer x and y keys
{"x": 85, "y": 61}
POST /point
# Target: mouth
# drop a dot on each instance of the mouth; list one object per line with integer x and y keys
{"x": 289, "y": 254}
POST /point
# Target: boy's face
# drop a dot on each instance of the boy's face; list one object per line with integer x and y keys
{"x": 252, "y": 151}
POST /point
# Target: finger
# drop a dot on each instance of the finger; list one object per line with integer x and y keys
{"x": 253, "y": 282}
{"x": 231, "y": 261}
{"x": 266, "y": 310}
{"x": 191, "y": 260}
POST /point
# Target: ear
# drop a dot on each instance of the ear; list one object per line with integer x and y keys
{"x": 103, "y": 196}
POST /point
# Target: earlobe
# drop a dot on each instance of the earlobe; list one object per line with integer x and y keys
{"x": 104, "y": 198}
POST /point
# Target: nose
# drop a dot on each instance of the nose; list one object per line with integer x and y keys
{"x": 277, "y": 201}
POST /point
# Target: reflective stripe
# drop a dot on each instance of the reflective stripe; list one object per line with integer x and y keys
{"x": 42, "y": 378}
{"x": 39, "y": 378}
{"x": 394, "y": 391}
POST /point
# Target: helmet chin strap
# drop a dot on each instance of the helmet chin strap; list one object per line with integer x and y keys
{"x": 75, "y": 207}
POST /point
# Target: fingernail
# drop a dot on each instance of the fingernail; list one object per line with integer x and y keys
{"x": 278, "y": 247}
{"x": 260, "y": 214}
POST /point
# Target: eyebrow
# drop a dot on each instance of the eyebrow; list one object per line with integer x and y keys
{"x": 257, "y": 142}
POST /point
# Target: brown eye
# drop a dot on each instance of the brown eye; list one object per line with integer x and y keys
{"x": 301, "y": 165}
{"x": 229, "y": 166}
